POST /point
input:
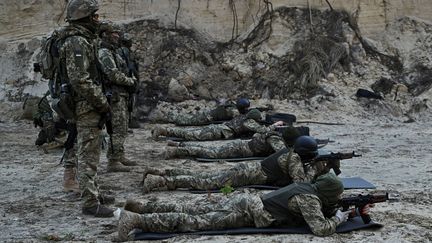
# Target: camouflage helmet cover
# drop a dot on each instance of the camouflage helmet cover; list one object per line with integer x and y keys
{"x": 108, "y": 26}
{"x": 78, "y": 9}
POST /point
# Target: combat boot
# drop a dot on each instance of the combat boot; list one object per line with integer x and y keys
{"x": 106, "y": 199}
{"x": 159, "y": 131}
{"x": 134, "y": 206}
{"x": 116, "y": 166}
{"x": 173, "y": 143}
{"x": 154, "y": 182}
{"x": 170, "y": 152}
{"x": 127, "y": 162}
{"x": 70, "y": 182}
{"x": 99, "y": 211}
{"x": 127, "y": 222}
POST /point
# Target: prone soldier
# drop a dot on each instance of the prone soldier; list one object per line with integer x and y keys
{"x": 314, "y": 204}
{"x": 281, "y": 169}
{"x": 241, "y": 125}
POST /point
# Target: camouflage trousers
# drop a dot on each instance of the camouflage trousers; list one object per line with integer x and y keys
{"x": 217, "y": 212}
{"x": 120, "y": 119}
{"x": 88, "y": 156}
{"x": 233, "y": 149}
{"x": 197, "y": 119}
{"x": 209, "y": 132}
{"x": 242, "y": 174}
{"x": 70, "y": 158}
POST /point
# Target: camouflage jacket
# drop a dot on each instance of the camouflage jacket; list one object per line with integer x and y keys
{"x": 308, "y": 207}
{"x": 266, "y": 143}
{"x": 291, "y": 165}
{"x": 78, "y": 59}
{"x": 242, "y": 125}
{"x": 115, "y": 70}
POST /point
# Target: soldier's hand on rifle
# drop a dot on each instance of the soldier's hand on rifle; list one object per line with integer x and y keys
{"x": 342, "y": 216}
{"x": 133, "y": 87}
{"x": 366, "y": 209}
{"x": 105, "y": 109}
{"x": 278, "y": 123}
{"x": 361, "y": 211}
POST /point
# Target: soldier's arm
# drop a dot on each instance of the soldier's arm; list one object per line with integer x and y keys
{"x": 276, "y": 142}
{"x": 76, "y": 53}
{"x": 310, "y": 208}
{"x": 109, "y": 68}
{"x": 254, "y": 126}
{"x": 294, "y": 167}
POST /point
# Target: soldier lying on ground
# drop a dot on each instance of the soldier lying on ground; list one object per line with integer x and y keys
{"x": 275, "y": 171}
{"x": 223, "y": 112}
{"x": 261, "y": 144}
{"x": 314, "y": 204}
{"x": 241, "y": 125}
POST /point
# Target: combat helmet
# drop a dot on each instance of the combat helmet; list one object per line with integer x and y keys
{"x": 242, "y": 104}
{"x": 306, "y": 147}
{"x": 254, "y": 114}
{"x": 78, "y": 9}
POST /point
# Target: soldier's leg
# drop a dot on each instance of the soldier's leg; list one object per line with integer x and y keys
{"x": 231, "y": 213}
{"x": 88, "y": 157}
{"x": 70, "y": 176}
{"x": 240, "y": 175}
{"x": 143, "y": 207}
{"x": 115, "y": 152}
{"x": 238, "y": 148}
{"x": 197, "y": 119}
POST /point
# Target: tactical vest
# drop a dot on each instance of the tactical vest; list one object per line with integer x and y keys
{"x": 69, "y": 32}
{"x": 221, "y": 113}
{"x": 276, "y": 202}
{"x": 273, "y": 171}
{"x": 259, "y": 145}
{"x": 237, "y": 125}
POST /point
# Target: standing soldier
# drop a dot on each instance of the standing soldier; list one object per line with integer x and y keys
{"x": 125, "y": 51}
{"x": 78, "y": 66}
{"x": 118, "y": 86}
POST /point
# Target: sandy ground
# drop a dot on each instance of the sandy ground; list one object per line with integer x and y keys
{"x": 397, "y": 157}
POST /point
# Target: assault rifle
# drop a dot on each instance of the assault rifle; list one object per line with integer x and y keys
{"x": 70, "y": 141}
{"x": 106, "y": 119}
{"x": 332, "y": 159}
{"x": 360, "y": 201}
{"x": 288, "y": 119}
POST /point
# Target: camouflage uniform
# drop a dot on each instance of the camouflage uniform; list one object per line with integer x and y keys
{"x": 262, "y": 144}
{"x": 115, "y": 73}
{"x": 236, "y": 210}
{"x": 243, "y": 174}
{"x": 220, "y": 113}
{"x": 307, "y": 208}
{"x": 238, "y": 126}
{"x": 77, "y": 55}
